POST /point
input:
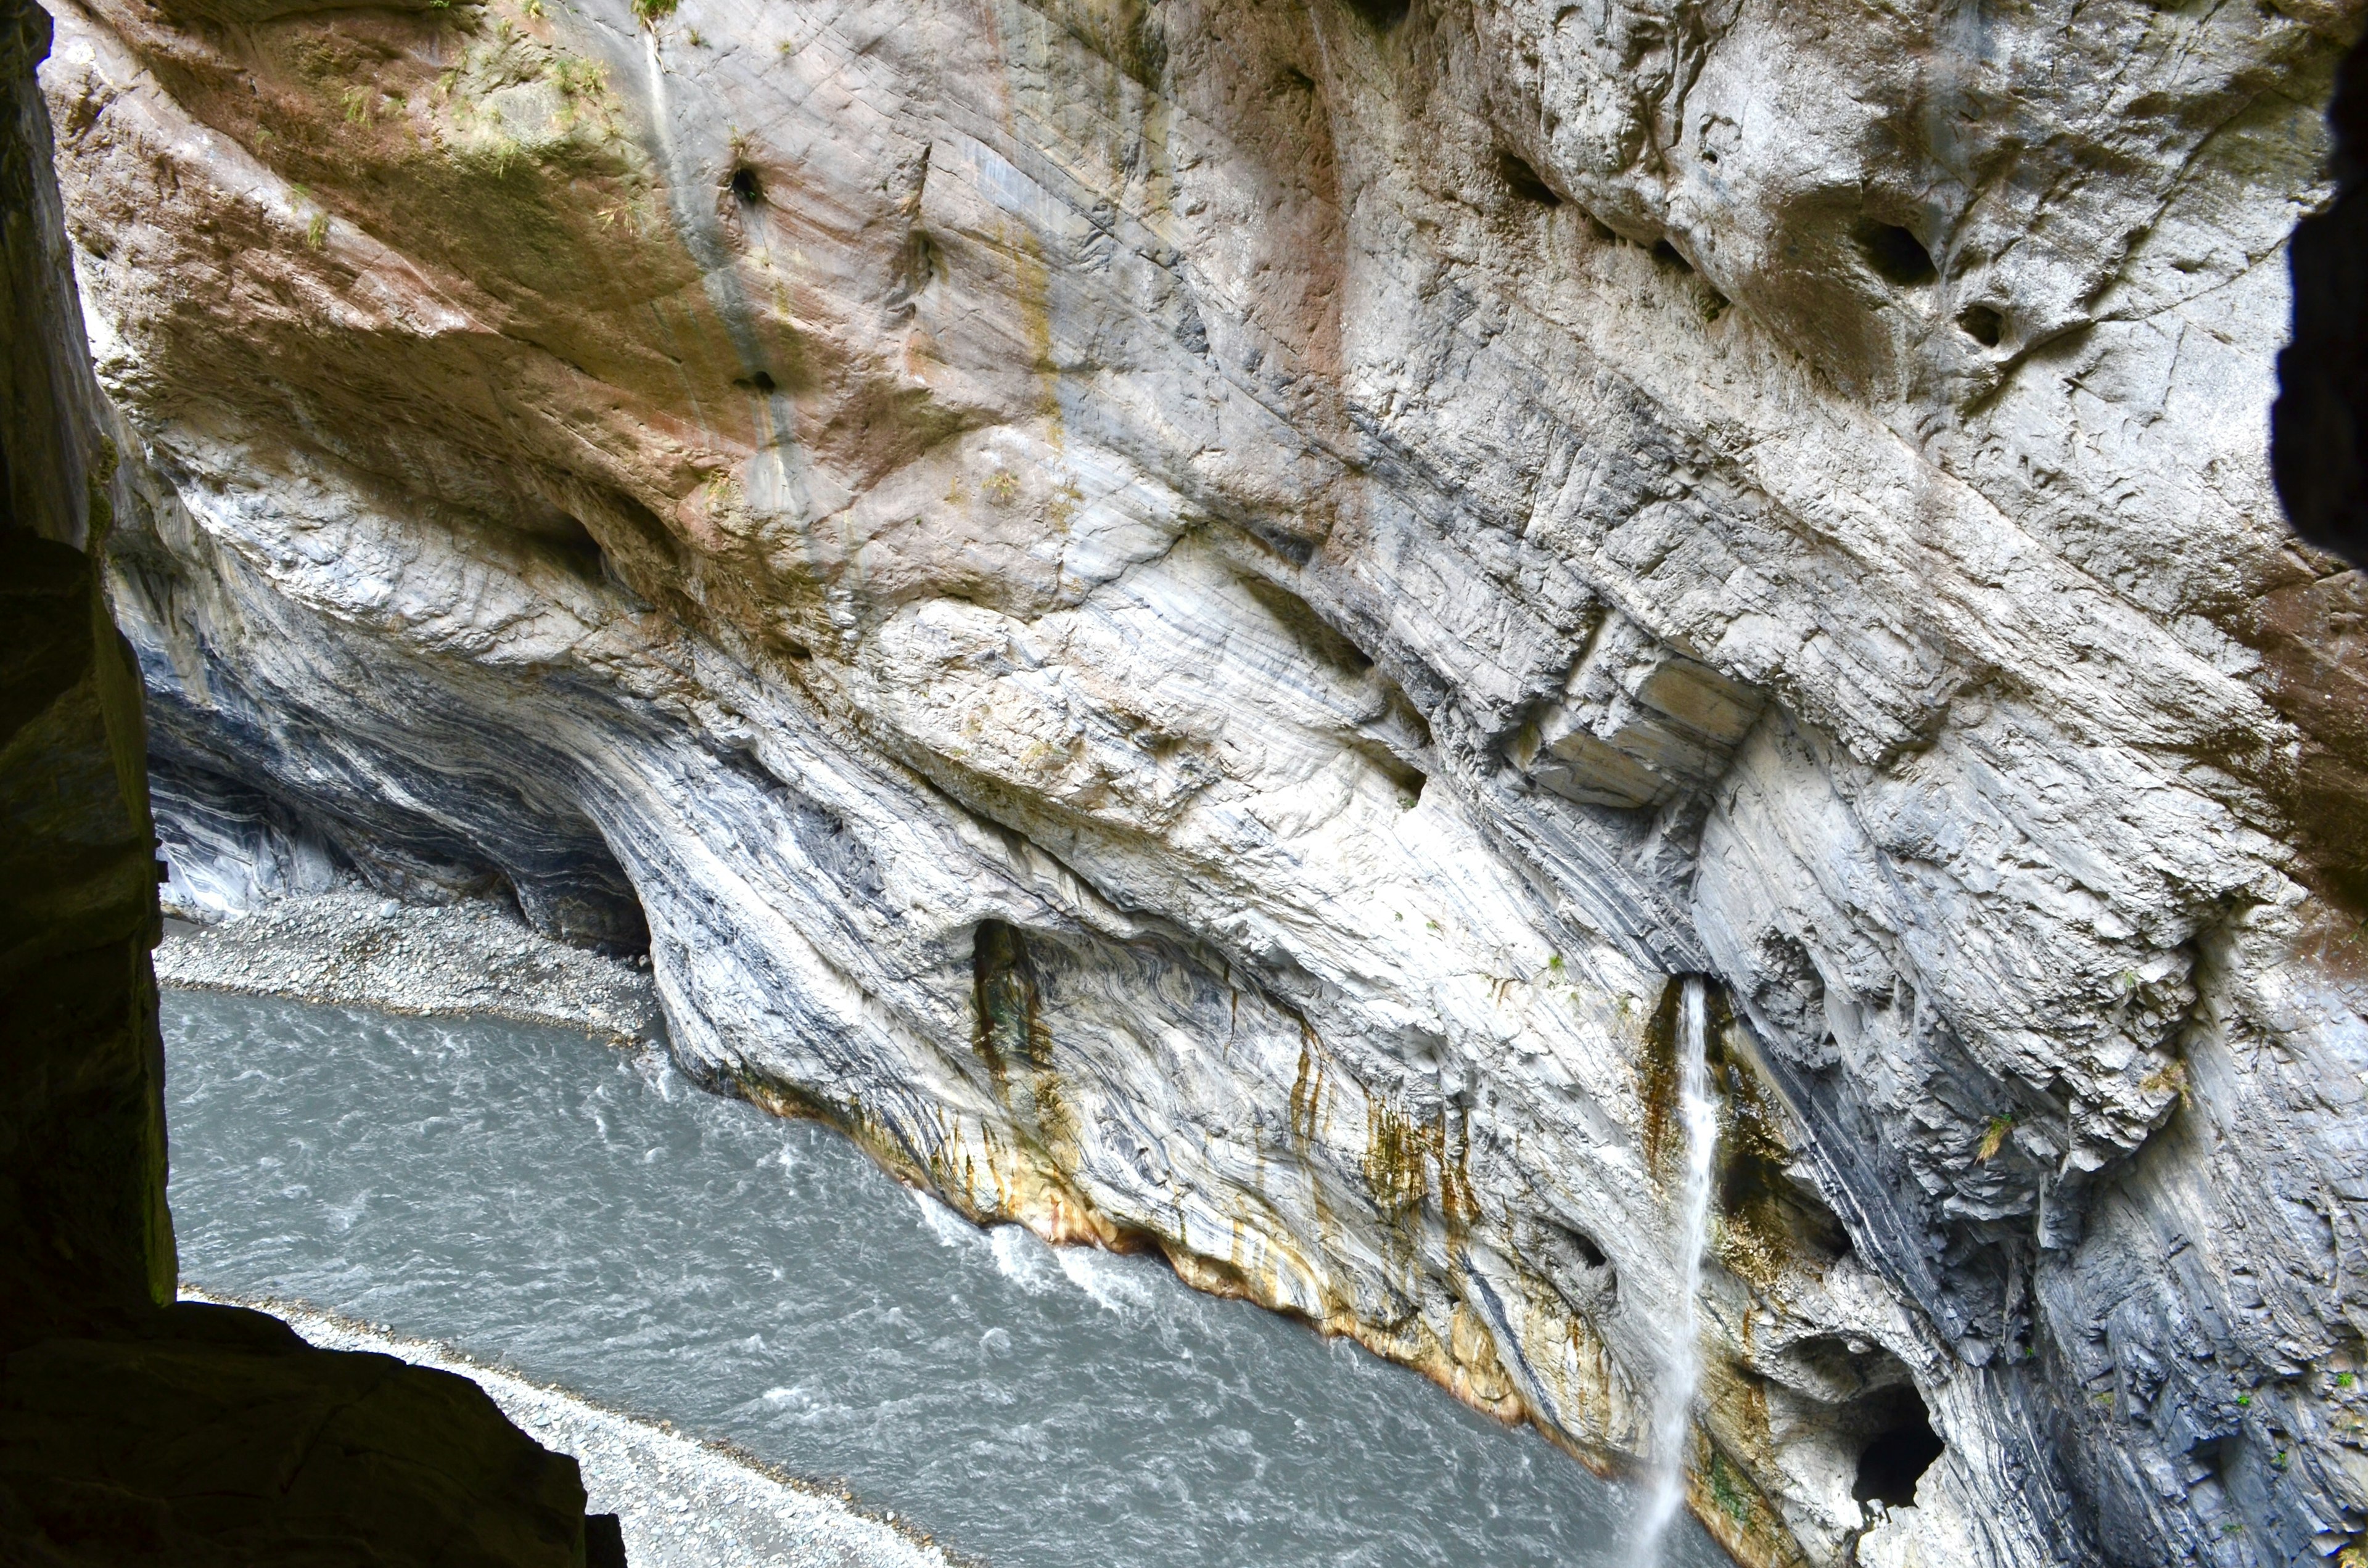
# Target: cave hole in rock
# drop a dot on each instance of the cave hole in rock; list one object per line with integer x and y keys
{"x": 632, "y": 533}
{"x": 593, "y": 912}
{"x": 747, "y": 186}
{"x": 763, "y": 383}
{"x": 1669, "y": 255}
{"x": 1896, "y": 256}
{"x": 1902, "y": 1448}
{"x": 1380, "y": 13}
{"x": 1985, "y": 324}
{"x": 1572, "y": 1261}
{"x": 573, "y": 546}
{"x": 1524, "y": 181}
{"x": 1318, "y": 641}
{"x": 2208, "y": 1461}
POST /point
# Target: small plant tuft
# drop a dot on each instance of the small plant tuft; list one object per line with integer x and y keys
{"x": 316, "y": 232}
{"x": 1994, "y": 1137}
{"x": 1730, "y": 1497}
{"x": 502, "y": 151}
{"x": 578, "y": 78}
{"x": 2172, "y": 1079}
{"x": 652, "y": 12}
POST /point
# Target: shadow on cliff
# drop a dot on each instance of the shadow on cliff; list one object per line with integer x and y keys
{"x": 2317, "y": 450}
{"x": 133, "y": 1427}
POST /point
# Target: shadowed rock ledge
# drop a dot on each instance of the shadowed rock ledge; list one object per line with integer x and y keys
{"x": 1183, "y": 615}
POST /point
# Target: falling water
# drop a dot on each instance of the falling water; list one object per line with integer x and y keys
{"x": 1681, "y": 1368}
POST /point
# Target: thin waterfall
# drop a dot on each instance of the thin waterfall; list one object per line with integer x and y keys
{"x": 1681, "y": 1364}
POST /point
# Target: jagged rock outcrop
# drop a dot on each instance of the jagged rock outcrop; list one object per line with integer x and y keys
{"x": 1180, "y": 614}
{"x": 134, "y": 1429}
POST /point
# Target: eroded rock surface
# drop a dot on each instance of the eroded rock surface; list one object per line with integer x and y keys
{"x": 1180, "y": 614}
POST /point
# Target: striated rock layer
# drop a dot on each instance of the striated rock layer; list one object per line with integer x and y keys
{"x": 1181, "y": 613}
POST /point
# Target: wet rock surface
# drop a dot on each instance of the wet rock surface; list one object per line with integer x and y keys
{"x": 1180, "y": 616}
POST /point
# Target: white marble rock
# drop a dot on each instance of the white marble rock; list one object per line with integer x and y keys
{"x": 1178, "y": 613}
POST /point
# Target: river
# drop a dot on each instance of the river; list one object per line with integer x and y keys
{"x": 587, "y": 1217}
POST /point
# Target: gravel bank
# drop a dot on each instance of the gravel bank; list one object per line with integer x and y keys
{"x": 683, "y": 1504}
{"x": 352, "y": 948}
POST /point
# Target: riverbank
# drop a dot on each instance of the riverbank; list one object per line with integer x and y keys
{"x": 682, "y": 1502}
{"x": 351, "y": 947}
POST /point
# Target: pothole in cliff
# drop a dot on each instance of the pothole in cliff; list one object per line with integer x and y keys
{"x": 1524, "y": 181}
{"x": 1985, "y": 324}
{"x": 1712, "y": 303}
{"x": 1381, "y": 15}
{"x": 573, "y": 546}
{"x": 745, "y": 186}
{"x": 1903, "y": 1448}
{"x": 1896, "y": 256}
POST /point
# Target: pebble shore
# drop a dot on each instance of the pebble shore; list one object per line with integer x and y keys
{"x": 352, "y": 948}
{"x": 682, "y": 1502}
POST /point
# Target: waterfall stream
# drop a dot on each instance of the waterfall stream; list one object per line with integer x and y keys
{"x": 1681, "y": 1363}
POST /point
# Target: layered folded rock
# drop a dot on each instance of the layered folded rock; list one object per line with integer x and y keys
{"x": 1182, "y": 616}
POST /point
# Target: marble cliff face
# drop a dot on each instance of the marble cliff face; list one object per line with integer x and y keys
{"x": 1181, "y": 613}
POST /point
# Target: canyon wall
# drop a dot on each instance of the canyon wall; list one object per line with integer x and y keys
{"x": 135, "y": 1429}
{"x": 1182, "y": 613}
